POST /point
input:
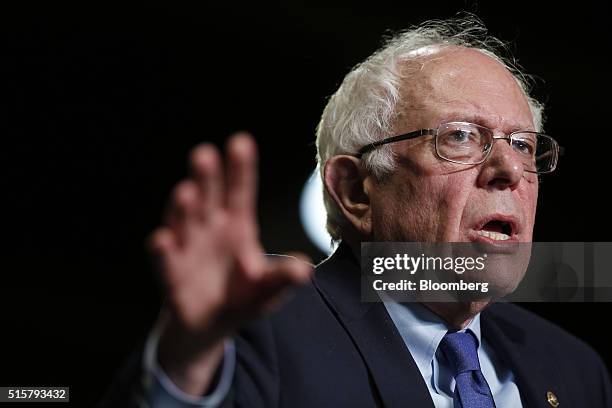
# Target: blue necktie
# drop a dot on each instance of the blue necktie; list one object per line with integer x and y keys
{"x": 471, "y": 388}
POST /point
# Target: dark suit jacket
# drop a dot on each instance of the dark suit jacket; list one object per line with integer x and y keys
{"x": 325, "y": 348}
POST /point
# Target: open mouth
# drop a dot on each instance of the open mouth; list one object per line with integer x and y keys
{"x": 497, "y": 229}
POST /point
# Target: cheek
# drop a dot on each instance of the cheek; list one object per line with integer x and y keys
{"x": 529, "y": 200}
{"x": 424, "y": 209}
{"x": 453, "y": 200}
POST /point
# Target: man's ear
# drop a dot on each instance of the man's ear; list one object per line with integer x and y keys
{"x": 345, "y": 183}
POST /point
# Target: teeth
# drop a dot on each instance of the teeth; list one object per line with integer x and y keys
{"x": 496, "y": 236}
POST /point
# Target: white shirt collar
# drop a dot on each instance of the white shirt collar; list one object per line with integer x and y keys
{"x": 422, "y": 331}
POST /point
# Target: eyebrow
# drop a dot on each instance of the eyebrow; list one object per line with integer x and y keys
{"x": 479, "y": 120}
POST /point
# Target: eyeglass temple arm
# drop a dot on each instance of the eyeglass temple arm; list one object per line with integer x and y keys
{"x": 561, "y": 151}
{"x": 369, "y": 147}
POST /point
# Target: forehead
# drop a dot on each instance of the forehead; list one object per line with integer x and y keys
{"x": 461, "y": 84}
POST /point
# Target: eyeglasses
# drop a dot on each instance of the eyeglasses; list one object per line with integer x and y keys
{"x": 468, "y": 143}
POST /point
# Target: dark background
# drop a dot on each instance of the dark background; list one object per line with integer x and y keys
{"x": 103, "y": 101}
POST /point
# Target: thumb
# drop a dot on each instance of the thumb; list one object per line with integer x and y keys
{"x": 285, "y": 273}
{"x": 282, "y": 273}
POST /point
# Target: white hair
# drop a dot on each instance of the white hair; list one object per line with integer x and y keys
{"x": 363, "y": 109}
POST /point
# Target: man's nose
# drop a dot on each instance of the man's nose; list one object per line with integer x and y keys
{"x": 503, "y": 168}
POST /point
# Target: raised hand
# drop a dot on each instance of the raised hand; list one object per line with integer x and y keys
{"x": 212, "y": 263}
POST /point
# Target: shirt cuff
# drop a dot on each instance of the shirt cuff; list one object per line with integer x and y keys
{"x": 160, "y": 391}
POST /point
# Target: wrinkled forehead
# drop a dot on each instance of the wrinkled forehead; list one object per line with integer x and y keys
{"x": 457, "y": 83}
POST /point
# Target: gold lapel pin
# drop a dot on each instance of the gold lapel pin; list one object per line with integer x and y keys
{"x": 552, "y": 399}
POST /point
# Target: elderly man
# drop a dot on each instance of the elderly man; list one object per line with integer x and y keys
{"x": 433, "y": 138}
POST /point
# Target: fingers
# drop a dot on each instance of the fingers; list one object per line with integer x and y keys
{"x": 203, "y": 194}
{"x": 196, "y": 199}
{"x": 163, "y": 244}
{"x": 184, "y": 210}
{"x": 279, "y": 285}
{"x": 283, "y": 273}
{"x": 208, "y": 176}
{"x": 297, "y": 267}
{"x": 213, "y": 265}
{"x": 242, "y": 175}
{"x": 162, "y": 241}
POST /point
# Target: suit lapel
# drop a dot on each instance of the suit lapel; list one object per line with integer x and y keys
{"x": 535, "y": 373}
{"x": 391, "y": 366}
